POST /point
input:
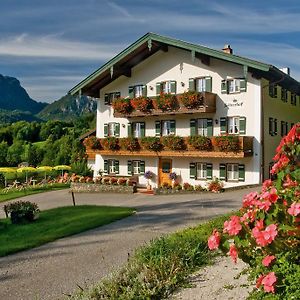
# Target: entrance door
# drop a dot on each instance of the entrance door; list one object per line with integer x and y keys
{"x": 164, "y": 169}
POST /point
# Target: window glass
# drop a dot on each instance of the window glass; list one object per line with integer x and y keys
{"x": 136, "y": 167}
{"x": 166, "y": 87}
{"x": 201, "y": 170}
{"x": 166, "y": 166}
{"x": 202, "y": 127}
{"x": 233, "y": 125}
{"x": 138, "y": 91}
{"x": 233, "y": 172}
{"x": 137, "y": 130}
{"x": 200, "y": 84}
{"x": 111, "y": 129}
{"x": 166, "y": 128}
{"x": 233, "y": 85}
{"x": 111, "y": 167}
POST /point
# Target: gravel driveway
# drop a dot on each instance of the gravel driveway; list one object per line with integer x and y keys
{"x": 58, "y": 268}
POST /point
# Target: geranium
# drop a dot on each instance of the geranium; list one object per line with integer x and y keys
{"x": 265, "y": 237}
{"x": 214, "y": 240}
{"x": 233, "y": 227}
{"x": 268, "y": 260}
{"x": 233, "y": 253}
{"x": 269, "y": 281}
{"x": 294, "y": 210}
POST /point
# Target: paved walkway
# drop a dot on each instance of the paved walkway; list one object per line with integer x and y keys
{"x": 58, "y": 268}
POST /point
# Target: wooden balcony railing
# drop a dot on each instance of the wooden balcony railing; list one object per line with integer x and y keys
{"x": 241, "y": 147}
{"x": 207, "y": 105}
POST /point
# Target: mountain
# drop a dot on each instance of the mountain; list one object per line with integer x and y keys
{"x": 11, "y": 116}
{"x": 14, "y": 97}
{"x": 67, "y": 108}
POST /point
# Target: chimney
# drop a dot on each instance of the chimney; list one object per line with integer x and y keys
{"x": 285, "y": 70}
{"x": 227, "y": 49}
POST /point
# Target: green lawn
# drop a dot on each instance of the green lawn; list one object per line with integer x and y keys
{"x": 17, "y": 194}
{"x": 56, "y": 223}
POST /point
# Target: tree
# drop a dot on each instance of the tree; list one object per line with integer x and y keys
{"x": 14, "y": 153}
{"x": 3, "y": 154}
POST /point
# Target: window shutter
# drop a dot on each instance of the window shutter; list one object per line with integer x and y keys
{"x": 193, "y": 127}
{"x": 117, "y": 95}
{"x": 275, "y": 126}
{"x": 191, "y": 84}
{"x": 142, "y": 167}
{"x": 129, "y": 130}
{"x": 242, "y": 125}
{"x": 106, "y": 99}
{"x": 223, "y": 125}
{"x": 105, "y": 166}
{"x": 241, "y": 172}
{"x": 209, "y": 168}
{"x": 173, "y": 127}
{"x": 224, "y": 89}
{"x": 158, "y": 88}
{"x": 142, "y": 129}
{"x": 270, "y": 126}
{"x": 117, "y": 166}
{"x": 105, "y": 130}
{"x": 271, "y": 90}
{"x": 282, "y": 128}
{"x": 144, "y": 91}
{"x": 117, "y": 129}
{"x": 222, "y": 172}
{"x": 275, "y": 91}
{"x": 131, "y": 92}
{"x": 157, "y": 128}
{"x": 129, "y": 167}
{"x": 209, "y": 127}
{"x": 243, "y": 85}
{"x": 208, "y": 84}
{"x": 173, "y": 87}
{"x": 193, "y": 170}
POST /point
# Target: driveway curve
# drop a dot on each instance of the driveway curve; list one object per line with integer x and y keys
{"x": 59, "y": 268}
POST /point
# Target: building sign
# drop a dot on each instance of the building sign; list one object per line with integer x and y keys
{"x": 234, "y": 103}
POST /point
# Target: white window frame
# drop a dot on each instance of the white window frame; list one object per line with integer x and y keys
{"x": 137, "y": 133}
{"x": 136, "y": 167}
{"x": 232, "y": 172}
{"x": 111, "y": 129}
{"x": 166, "y": 128}
{"x": 202, "y": 127}
{"x": 201, "y": 170}
{"x": 234, "y": 86}
{"x": 166, "y": 87}
{"x": 111, "y": 166}
{"x": 138, "y": 91}
{"x": 233, "y": 125}
{"x": 200, "y": 84}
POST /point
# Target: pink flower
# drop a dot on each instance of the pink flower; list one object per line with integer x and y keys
{"x": 233, "y": 227}
{"x": 233, "y": 252}
{"x": 270, "y": 195}
{"x": 268, "y": 281}
{"x": 289, "y": 183}
{"x": 260, "y": 224}
{"x": 264, "y": 205}
{"x": 259, "y": 280}
{"x": 214, "y": 240}
{"x": 294, "y": 210}
{"x": 265, "y": 237}
{"x": 268, "y": 260}
{"x": 267, "y": 184}
{"x": 249, "y": 200}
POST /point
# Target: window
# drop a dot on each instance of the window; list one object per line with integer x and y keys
{"x": 284, "y": 94}
{"x": 273, "y": 90}
{"x": 201, "y": 84}
{"x": 111, "y": 166}
{"x": 232, "y": 172}
{"x": 272, "y": 126}
{"x": 284, "y": 128}
{"x": 110, "y": 97}
{"x": 293, "y": 99}
{"x": 166, "y": 128}
{"x": 233, "y": 125}
{"x": 201, "y": 171}
{"x": 138, "y": 90}
{"x": 234, "y": 85}
{"x": 137, "y": 132}
{"x": 136, "y": 167}
{"x": 166, "y": 87}
{"x": 112, "y": 129}
{"x": 202, "y": 127}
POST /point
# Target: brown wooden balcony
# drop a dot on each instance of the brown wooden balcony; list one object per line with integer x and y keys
{"x": 245, "y": 149}
{"x": 207, "y": 105}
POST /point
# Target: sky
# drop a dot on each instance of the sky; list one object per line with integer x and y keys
{"x": 50, "y": 46}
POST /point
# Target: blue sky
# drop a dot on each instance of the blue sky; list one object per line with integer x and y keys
{"x": 52, "y": 45}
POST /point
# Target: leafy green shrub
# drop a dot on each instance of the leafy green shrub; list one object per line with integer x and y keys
{"x": 21, "y": 211}
{"x": 81, "y": 168}
{"x": 201, "y": 143}
{"x": 174, "y": 142}
{"x": 152, "y": 144}
{"x": 2, "y": 180}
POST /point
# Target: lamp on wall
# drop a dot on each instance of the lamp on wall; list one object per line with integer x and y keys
{"x": 182, "y": 84}
{"x": 151, "y": 88}
{"x": 216, "y": 121}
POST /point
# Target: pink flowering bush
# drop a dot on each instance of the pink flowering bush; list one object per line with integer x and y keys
{"x": 266, "y": 232}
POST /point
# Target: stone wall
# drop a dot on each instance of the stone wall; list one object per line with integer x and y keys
{"x": 77, "y": 187}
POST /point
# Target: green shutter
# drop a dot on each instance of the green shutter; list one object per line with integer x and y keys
{"x": 143, "y": 129}
{"x": 192, "y": 85}
{"x": 129, "y": 129}
{"x": 209, "y": 169}
{"x": 224, "y": 89}
{"x": 131, "y": 92}
{"x": 271, "y": 90}
{"x": 282, "y": 128}
{"x": 144, "y": 91}
{"x": 223, "y": 125}
{"x": 105, "y": 130}
{"x": 222, "y": 175}
{"x": 193, "y": 127}
{"x": 242, "y": 125}
{"x": 173, "y": 127}
{"x": 105, "y": 166}
{"x": 129, "y": 167}
{"x": 241, "y": 172}
{"x": 158, "y": 88}
{"x": 173, "y": 87}
{"x": 117, "y": 129}
{"x": 157, "y": 128}
{"x": 270, "y": 126}
{"x": 117, "y": 166}
{"x": 208, "y": 84}
{"x": 106, "y": 99}
{"x": 142, "y": 167}
{"x": 243, "y": 85}
{"x": 193, "y": 170}
{"x": 209, "y": 127}
{"x": 275, "y": 126}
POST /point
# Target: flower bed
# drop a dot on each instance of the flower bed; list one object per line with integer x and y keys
{"x": 102, "y": 188}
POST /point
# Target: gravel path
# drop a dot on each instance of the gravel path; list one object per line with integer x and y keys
{"x": 58, "y": 268}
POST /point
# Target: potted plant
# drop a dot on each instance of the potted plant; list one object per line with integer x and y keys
{"x": 148, "y": 175}
{"x": 227, "y": 143}
{"x": 166, "y": 102}
{"x": 201, "y": 143}
{"x": 92, "y": 142}
{"x": 21, "y": 211}
{"x": 141, "y": 103}
{"x": 173, "y": 176}
{"x": 110, "y": 143}
{"x": 130, "y": 144}
{"x": 174, "y": 142}
{"x": 152, "y": 144}
{"x": 191, "y": 99}
{"x": 122, "y": 106}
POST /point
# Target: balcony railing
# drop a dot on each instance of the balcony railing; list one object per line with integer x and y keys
{"x": 212, "y": 147}
{"x": 207, "y": 104}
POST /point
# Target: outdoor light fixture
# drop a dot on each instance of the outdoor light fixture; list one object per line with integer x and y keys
{"x": 182, "y": 84}
{"x": 151, "y": 88}
{"x": 217, "y": 121}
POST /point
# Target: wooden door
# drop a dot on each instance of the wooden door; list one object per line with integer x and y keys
{"x": 164, "y": 169}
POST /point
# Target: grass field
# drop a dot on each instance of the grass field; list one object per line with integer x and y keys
{"x": 17, "y": 194}
{"x": 56, "y": 223}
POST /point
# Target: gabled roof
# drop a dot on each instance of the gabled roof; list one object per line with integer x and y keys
{"x": 150, "y": 43}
